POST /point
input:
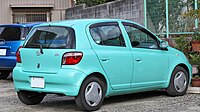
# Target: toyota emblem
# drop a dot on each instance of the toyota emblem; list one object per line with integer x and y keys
{"x": 2, "y": 43}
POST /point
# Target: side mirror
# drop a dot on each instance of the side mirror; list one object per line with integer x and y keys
{"x": 164, "y": 45}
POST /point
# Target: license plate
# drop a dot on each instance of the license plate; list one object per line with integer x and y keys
{"x": 37, "y": 82}
{"x": 2, "y": 52}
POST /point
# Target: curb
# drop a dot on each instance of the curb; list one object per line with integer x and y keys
{"x": 193, "y": 90}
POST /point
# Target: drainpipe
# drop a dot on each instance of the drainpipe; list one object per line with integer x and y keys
{"x": 167, "y": 19}
{"x": 145, "y": 13}
{"x": 196, "y": 20}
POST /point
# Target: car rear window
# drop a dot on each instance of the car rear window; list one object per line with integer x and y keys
{"x": 13, "y": 33}
{"x": 51, "y": 37}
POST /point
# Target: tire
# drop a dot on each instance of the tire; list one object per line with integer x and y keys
{"x": 83, "y": 101}
{"x": 178, "y": 82}
{"x": 4, "y": 74}
{"x": 30, "y": 98}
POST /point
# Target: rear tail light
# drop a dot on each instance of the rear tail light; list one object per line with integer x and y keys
{"x": 71, "y": 58}
{"x": 18, "y": 55}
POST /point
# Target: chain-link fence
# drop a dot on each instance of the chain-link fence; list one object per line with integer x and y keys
{"x": 163, "y": 17}
{"x": 167, "y": 16}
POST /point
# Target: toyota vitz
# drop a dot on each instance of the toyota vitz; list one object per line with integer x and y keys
{"x": 91, "y": 59}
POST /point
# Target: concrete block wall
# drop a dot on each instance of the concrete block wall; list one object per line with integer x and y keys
{"x": 120, "y": 9}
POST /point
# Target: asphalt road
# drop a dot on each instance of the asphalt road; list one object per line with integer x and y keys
{"x": 154, "y": 101}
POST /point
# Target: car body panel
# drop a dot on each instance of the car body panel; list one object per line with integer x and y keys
{"x": 109, "y": 61}
{"x": 11, "y": 47}
{"x": 119, "y": 78}
{"x": 62, "y": 82}
{"x": 33, "y": 62}
{"x": 146, "y": 66}
{"x": 176, "y": 58}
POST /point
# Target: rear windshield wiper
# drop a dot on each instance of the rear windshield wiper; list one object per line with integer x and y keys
{"x": 40, "y": 46}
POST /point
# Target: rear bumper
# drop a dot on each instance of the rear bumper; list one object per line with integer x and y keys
{"x": 66, "y": 81}
{"x": 7, "y": 62}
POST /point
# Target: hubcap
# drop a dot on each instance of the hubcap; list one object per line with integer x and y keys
{"x": 93, "y": 94}
{"x": 180, "y": 81}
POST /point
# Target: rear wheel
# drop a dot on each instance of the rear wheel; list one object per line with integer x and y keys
{"x": 4, "y": 74}
{"x": 91, "y": 94}
{"x": 179, "y": 82}
{"x": 30, "y": 98}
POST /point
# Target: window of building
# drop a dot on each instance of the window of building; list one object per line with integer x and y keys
{"x": 30, "y": 17}
{"x": 24, "y": 15}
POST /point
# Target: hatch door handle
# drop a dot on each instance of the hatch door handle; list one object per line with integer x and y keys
{"x": 104, "y": 59}
{"x": 138, "y": 60}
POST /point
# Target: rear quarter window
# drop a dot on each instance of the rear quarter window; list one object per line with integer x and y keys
{"x": 51, "y": 37}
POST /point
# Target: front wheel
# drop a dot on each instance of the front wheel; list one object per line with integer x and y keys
{"x": 30, "y": 98}
{"x": 91, "y": 94}
{"x": 179, "y": 82}
{"x": 4, "y": 74}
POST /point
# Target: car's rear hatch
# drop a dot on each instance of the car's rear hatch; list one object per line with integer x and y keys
{"x": 44, "y": 50}
{"x": 11, "y": 37}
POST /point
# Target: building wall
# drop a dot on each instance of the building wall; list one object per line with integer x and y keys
{"x": 121, "y": 9}
{"x": 5, "y": 12}
{"x": 57, "y": 12}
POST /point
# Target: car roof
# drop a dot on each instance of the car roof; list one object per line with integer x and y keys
{"x": 20, "y": 25}
{"x": 80, "y": 21}
{"x": 86, "y": 22}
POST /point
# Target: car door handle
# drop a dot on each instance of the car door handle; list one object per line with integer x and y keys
{"x": 104, "y": 59}
{"x": 138, "y": 60}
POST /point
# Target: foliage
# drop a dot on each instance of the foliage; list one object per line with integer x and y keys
{"x": 196, "y": 35}
{"x": 195, "y": 14}
{"x": 90, "y": 3}
{"x": 195, "y": 77}
{"x": 183, "y": 44}
{"x": 192, "y": 14}
{"x": 194, "y": 58}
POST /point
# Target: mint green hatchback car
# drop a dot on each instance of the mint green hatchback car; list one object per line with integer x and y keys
{"x": 91, "y": 59}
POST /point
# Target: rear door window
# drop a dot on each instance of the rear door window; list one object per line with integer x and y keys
{"x": 52, "y": 37}
{"x": 108, "y": 35}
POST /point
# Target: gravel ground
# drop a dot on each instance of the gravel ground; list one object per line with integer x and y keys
{"x": 154, "y": 101}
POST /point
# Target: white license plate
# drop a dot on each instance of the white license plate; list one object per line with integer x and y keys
{"x": 37, "y": 82}
{"x": 2, "y": 52}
